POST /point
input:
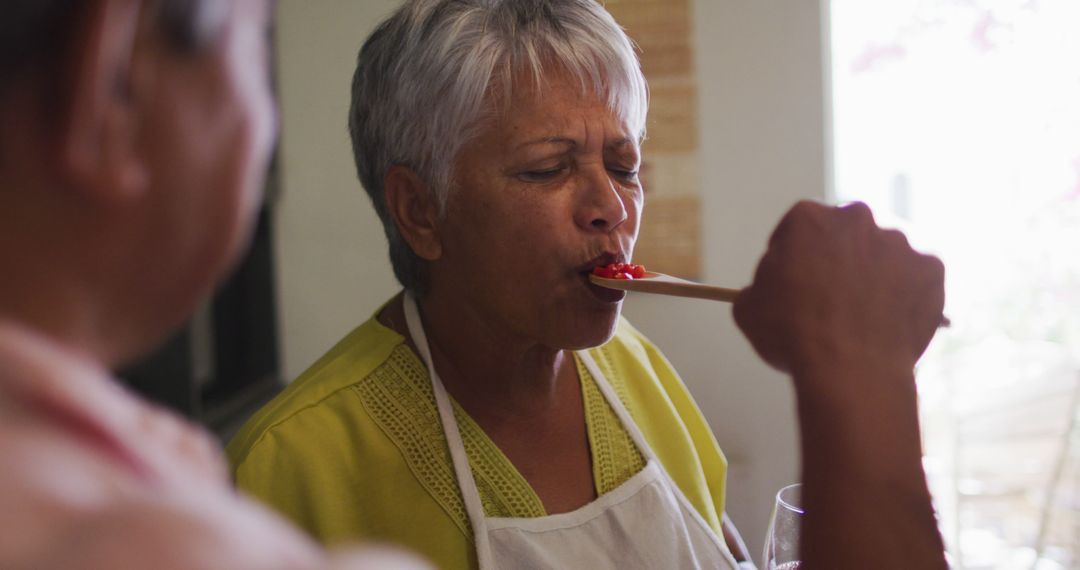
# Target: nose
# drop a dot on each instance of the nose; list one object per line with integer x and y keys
{"x": 603, "y": 204}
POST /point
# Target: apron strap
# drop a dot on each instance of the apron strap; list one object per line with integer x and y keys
{"x": 639, "y": 439}
{"x": 466, "y": 483}
{"x": 616, "y": 404}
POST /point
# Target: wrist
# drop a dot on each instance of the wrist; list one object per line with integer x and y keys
{"x": 817, "y": 354}
{"x": 859, "y": 415}
{"x": 853, "y": 380}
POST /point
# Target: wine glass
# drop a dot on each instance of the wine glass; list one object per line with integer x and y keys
{"x": 782, "y": 539}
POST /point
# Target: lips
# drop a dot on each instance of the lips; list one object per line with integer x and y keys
{"x": 602, "y": 294}
{"x": 606, "y": 258}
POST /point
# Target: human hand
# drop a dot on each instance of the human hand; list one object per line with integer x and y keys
{"x": 833, "y": 288}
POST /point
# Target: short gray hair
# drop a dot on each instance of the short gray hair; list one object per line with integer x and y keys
{"x": 34, "y": 32}
{"x": 423, "y": 77}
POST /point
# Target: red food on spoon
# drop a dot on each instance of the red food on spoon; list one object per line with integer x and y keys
{"x": 620, "y": 271}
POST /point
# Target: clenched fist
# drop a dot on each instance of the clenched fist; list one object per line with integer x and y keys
{"x": 847, "y": 309}
{"x": 834, "y": 288}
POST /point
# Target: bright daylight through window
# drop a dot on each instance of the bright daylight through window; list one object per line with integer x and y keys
{"x": 958, "y": 121}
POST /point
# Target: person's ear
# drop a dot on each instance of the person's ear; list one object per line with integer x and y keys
{"x": 99, "y": 133}
{"x": 414, "y": 210}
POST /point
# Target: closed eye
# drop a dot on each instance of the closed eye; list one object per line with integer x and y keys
{"x": 541, "y": 175}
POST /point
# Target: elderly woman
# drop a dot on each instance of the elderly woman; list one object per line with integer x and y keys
{"x": 499, "y": 413}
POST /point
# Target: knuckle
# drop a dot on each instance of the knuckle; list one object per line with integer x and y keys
{"x": 806, "y": 210}
{"x": 859, "y": 211}
{"x": 803, "y": 214}
{"x": 935, "y": 267}
{"x": 896, "y": 238}
{"x": 806, "y": 207}
{"x": 739, "y": 311}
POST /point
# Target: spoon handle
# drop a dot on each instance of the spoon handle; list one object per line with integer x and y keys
{"x": 662, "y": 284}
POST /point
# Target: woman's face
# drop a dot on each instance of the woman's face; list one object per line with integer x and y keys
{"x": 546, "y": 191}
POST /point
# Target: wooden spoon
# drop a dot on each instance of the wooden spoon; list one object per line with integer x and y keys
{"x": 663, "y": 284}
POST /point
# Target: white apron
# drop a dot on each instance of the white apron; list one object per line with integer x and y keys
{"x": 646, "y": 523}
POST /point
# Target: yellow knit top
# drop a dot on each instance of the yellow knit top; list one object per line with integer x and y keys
{"x": 354, "y": 450}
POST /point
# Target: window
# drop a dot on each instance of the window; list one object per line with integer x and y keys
{"x": 958, "y": 121}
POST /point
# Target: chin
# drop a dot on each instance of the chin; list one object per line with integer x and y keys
{"x": 148, "y": 332}
{"x": 179, "y": 294}
{"x": 590, "y": 330}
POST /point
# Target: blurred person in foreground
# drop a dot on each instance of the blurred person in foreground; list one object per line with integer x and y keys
{"x": 134, "y": 137}
{"x": 515, "y": 419}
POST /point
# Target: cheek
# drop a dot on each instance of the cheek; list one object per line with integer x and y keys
{"x": 256, "y": 138}
{"x": 632, "y": 226}
{"x": 491, "y": 242}
{"x": 252, "y": 105}
{"x": 220, "y": 142}
{"x": 508, "y": 249}
{"x": 530, "y": 235}
{"x": 244, "y": 143}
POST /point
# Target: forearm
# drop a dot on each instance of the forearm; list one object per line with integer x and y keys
{"x": 862, "y": 470}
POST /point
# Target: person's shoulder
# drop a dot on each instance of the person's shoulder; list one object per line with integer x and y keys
{"x": 27, "y": 358}
{"x": 41, "y": 494}
{"x": 66, "y": 506}
{"x": 351, "y": 361}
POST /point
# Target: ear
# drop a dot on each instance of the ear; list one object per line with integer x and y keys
{"x": 413, "y": 207}
{"x": 99, "y": 135}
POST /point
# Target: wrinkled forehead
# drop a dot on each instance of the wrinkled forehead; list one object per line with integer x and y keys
{"x": 553, "y": 94}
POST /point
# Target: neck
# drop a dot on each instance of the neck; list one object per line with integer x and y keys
{"x": 34, "y": 298}
{"x": 489, "y": 370}
{"x": 48, "y": 283}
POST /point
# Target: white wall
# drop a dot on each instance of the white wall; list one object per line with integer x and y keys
{"x": 332, "y": 268}
{"x": 761, "y": 70}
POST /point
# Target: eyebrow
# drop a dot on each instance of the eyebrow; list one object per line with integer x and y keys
{"x": 620, "y": 143}
{"x": 549, "y": 140}
{"x": 616, "y": 144}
